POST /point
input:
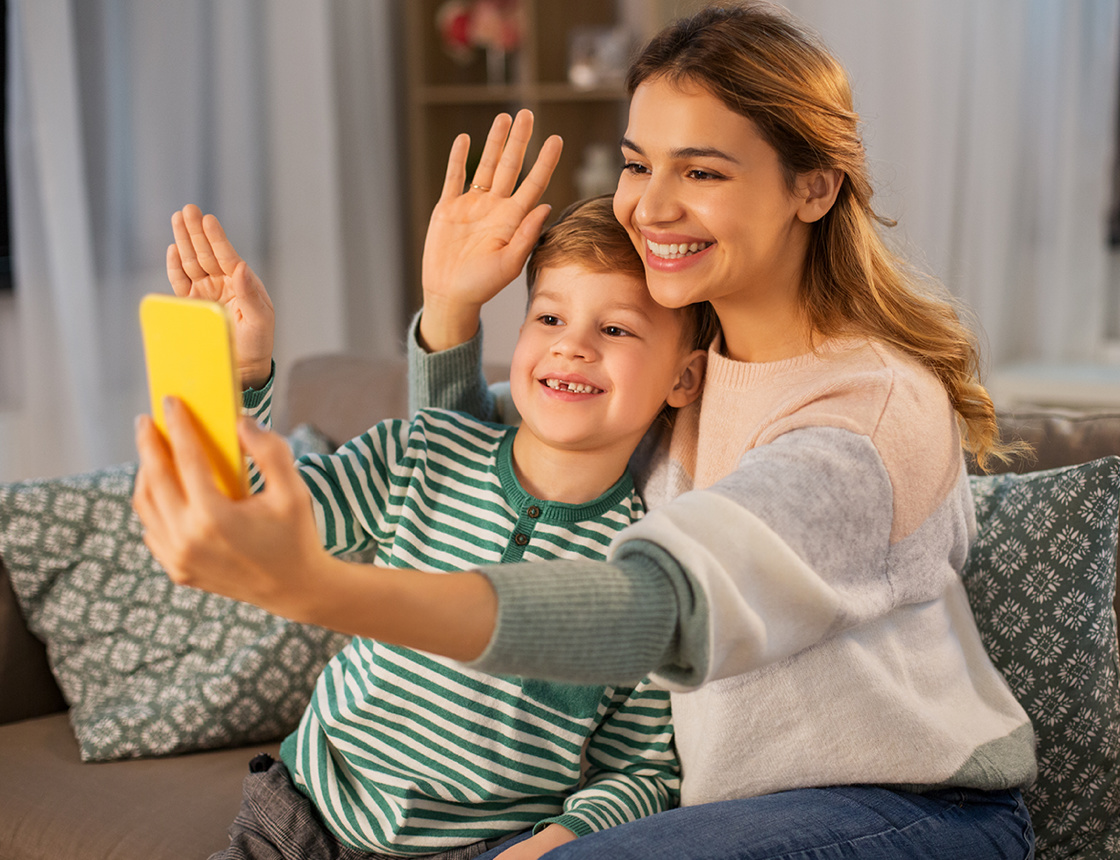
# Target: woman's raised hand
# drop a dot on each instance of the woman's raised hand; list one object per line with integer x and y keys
{"x": 478, "y": 239}
{"x": 203, "y": 264}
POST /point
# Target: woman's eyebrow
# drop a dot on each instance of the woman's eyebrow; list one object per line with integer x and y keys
{"x": 685, "y": 151}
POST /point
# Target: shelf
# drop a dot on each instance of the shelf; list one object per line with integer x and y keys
{"x": 490, "y": 94}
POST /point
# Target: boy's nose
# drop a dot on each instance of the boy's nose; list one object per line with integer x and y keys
{"x": 575, "y": 345}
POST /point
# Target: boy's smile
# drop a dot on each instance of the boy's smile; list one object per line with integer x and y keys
{"x": 571, "y": 385}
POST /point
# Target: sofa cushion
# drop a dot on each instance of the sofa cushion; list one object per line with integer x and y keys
{"x": 147, "y": 667}
{"x": 1041, "y": 579}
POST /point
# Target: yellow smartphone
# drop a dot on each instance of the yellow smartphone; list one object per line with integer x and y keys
{"x": 188, "y": 346}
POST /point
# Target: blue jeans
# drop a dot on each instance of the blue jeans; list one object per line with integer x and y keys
{"x": 844, "y": 823}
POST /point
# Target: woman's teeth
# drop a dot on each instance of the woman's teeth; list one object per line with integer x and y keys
{"x": 574, "y": 387}
{"x": 675, "y": 250}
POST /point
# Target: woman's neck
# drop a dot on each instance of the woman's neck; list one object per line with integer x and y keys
{"x": 760, "y": 331}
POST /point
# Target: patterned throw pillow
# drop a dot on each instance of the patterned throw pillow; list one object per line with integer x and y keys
{"x": 1041, "y": 579}
{"x": 148, "y": 667}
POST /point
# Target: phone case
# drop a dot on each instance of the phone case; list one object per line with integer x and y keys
{"x": 188, "y": 345}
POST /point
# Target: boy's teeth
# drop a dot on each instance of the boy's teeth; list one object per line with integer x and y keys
{"x": 574, "y": 387}
{"x": 675, "y": 250}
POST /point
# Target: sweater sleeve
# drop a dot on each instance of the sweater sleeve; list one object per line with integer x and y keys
{"x": 593, "y": 622}
{"x": 453, "y": 379}
{"x": 789, "y": 549}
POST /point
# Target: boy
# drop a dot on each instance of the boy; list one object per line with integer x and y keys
{"x": 405, "y": 754}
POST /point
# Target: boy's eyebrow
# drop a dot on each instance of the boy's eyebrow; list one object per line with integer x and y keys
{"x": 684, "y": 151}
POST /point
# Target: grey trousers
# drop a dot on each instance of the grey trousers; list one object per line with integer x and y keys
{"x": 277, "y": 822}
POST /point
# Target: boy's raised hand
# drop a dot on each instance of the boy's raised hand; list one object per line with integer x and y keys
{"x": 203, "y": 264}
{"x": 478, "y": 239}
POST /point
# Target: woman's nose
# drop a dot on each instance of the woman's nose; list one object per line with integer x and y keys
{"x": 658, "y": 203}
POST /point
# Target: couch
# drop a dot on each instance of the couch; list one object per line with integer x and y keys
{"x": 118, "y": 767}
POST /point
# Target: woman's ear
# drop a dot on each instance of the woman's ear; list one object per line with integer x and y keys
{"x": 691, "y": 379}
{"x": 817, "y": 190}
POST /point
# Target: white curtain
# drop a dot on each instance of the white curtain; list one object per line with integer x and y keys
{"x": 277, "y": 115}
{"x": 990, "y": 127}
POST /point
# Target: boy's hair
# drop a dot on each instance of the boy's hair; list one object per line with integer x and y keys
{"x": 589, "y": 236}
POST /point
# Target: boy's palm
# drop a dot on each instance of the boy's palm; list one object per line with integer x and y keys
{"x": 203, "y": 264}
{"x": 479, "y": 239}
{"x": 476, "y": 245}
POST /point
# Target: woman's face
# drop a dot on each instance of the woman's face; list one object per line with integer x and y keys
{"x": 707, "y": 205}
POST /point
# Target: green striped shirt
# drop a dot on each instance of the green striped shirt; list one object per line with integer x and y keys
{"x": 408, "y": 754}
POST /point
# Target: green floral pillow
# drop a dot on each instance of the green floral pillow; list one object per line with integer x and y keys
{"x": 148, "y": 667}
{"x": 1041, "y": 579}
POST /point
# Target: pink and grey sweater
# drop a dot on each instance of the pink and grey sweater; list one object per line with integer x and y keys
{"x": 796, "y": 584}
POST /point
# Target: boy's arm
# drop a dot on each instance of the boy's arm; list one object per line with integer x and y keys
{"x": 632, "y": 765}
{"x": 451, "y": 379}
{"x": 478, "y": 239}
{"x": 257, "y": 404}
{"x": 477, "y": 242}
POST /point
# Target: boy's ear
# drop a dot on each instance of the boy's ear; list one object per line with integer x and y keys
{"x": 691, "y": 379}
{"x": 818, "y": 190}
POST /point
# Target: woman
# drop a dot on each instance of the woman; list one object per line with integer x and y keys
{"x": 821, "y": 636}
{"x": 797, "y": 584}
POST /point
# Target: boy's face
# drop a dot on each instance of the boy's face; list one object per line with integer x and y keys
{"x": 596, "y": 360}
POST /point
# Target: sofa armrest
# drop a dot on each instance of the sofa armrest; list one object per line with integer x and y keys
{"x": 25, "y": 677}
{"x": 1060, "y": 437}
{"x": 344, "y": 395}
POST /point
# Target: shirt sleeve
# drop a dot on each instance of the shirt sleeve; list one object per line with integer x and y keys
{"x": 257, "y": 404}
{"x": 453, "y": 379}
{"x": 632, "y": 765}
{"x": 354, "y": 491}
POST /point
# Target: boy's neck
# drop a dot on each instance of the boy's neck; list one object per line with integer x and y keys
{"x": 574, "y": 477}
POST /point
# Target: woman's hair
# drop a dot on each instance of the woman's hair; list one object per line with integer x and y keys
{"x": 765, "y": 66}
{"x": 587, "y": 234}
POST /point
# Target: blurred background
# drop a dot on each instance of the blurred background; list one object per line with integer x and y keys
{"x": 317, "y": 130}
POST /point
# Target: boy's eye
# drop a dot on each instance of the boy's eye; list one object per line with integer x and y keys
{"x": 548, "y": 319}
{"x": 615, "y": 331}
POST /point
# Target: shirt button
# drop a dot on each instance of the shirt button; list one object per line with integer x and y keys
{"x": 520, "y": 539}
{"x": 533, "y": 511}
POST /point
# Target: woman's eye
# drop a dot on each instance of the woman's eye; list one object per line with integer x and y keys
{"x": 697, "y": 173}
{"x": 634, "y": 167}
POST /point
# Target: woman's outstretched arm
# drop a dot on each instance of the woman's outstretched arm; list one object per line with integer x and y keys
{"x": 578, "y": 621}
{"x": 265, "y": 549}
